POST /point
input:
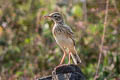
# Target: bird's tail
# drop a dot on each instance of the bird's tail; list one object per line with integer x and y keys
{"x": 76, "y": 58}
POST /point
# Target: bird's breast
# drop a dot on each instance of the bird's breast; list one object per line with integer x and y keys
{"x": 62, "y": 39}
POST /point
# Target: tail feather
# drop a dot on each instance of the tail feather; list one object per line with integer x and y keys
{"x": 76, "y": 58}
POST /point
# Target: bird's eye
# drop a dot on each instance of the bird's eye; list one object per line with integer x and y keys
{"x": 55, "y": 16}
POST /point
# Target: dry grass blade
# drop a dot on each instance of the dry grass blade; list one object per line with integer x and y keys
{"x": 102, "y": 40}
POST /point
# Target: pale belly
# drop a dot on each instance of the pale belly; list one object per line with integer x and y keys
{"x": 64, "y": 41}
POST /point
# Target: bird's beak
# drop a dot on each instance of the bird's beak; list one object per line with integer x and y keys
{"x": 47, "y": 16}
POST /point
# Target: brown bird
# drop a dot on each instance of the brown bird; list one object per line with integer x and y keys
{"x": 63, "y": 35}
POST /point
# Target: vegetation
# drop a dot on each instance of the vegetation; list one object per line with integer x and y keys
{"x": 28, "y": 49}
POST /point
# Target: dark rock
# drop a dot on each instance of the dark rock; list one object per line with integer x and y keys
{"x": 66, "y": 72}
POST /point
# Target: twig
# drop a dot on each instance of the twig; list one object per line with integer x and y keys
{"x": 115, "y": 6}
{"x": 85, "y": 10}
{"x": 102, "y": 40}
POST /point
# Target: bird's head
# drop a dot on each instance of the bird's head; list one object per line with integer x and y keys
{"x": 56, "y": 17}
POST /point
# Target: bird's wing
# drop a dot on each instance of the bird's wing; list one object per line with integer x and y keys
{"x": 68, "y": 32}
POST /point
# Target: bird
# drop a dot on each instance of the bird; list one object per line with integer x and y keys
{"x": 64, "y": 37}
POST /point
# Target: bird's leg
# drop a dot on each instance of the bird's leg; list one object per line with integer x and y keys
{"x": 69, "y": 57}
{"x": 63, "y": 57}
{"x": 61, "y": 60}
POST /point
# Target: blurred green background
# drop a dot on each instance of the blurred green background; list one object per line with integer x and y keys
{"x": 28, "y": 49}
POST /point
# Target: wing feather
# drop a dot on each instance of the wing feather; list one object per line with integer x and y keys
{"x": 68, "y": 32}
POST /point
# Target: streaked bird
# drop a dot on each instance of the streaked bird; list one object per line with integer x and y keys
{"x": 63, "y": 35}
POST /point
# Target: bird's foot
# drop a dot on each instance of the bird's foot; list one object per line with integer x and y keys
{"x": 69, "y": 63}
{"x": 60, "y": 65}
